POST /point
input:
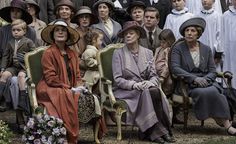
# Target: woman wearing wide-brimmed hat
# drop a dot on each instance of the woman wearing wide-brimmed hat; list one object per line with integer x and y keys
{"x": 137, "y": 83}
{"x": 194, "y": 61}
{"x": 106, "y": 24}
{"x": 84, "y": 18}
{"x": 38, "y": 25}
{"x": 60, "y": 73}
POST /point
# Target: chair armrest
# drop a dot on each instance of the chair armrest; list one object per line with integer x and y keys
{"x": 104, "y": 81}
{"x": 32, "y": 95}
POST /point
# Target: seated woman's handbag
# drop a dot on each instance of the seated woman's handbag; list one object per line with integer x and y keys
{"x": 88, "y": 107}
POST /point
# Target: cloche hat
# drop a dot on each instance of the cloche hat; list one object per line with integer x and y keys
{"x": 85, "y": 10}
{"x": 196, "y": 21}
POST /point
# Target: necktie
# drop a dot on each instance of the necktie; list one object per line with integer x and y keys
{"x": 150, "y": 37}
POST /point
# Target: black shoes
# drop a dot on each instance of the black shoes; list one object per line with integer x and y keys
{"x": 168, "y": 138}
{"x": 159, "y": 141}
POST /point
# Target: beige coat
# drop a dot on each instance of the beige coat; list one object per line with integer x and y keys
{"x": 162, "y": 69}
{"x": 89, "y": 57}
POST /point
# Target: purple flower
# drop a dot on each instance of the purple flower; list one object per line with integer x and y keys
{"x": 37, "y": 141}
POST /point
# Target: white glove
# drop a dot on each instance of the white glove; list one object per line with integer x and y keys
{"x": 79, "y": 89}
{"x": 147, "y": 84}
{"x": 138, "y": 86}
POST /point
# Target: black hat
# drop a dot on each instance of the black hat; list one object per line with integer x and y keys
{"x": 109, "y": 2}
{"x": 5, "y": 12}
{"x": 196, "y": 21}
{"x": 32, "y": 2}
{"x": 135, "y": 4}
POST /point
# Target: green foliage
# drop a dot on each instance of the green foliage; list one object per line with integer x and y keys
{"x": 5, "y": 133}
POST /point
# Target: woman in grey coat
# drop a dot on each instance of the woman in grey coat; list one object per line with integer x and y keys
{"x": 137, "y": 84}
{"x": 106, "y": 24}
{"x": 193, "y": 61}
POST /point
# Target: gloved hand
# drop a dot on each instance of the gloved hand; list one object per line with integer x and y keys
{"x": 79, "y": 89}
{"x": 138, "y": 86}
{"x": 147, "y": 84}
{"x": 200, "y": 81}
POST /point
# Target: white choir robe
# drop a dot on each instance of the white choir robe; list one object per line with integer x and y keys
{"x": 175, "y": 19}
{"x": 195, "y": 6}
{"x": 212, "y": 32}
{"x": 229, "y": 42}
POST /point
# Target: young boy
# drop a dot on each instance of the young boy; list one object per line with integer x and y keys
{"x": 13, "y": 65}
{"x": 178, "y": 15}
{"x": 211, "y": 35}
{"x": 229, "y": 41}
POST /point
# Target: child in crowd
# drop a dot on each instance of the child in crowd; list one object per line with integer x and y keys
{"x": 93, "y": 39}
{"x": 166, "y": 38}
{"x": 13, "y": 65}
{"x": 178, "y": 15}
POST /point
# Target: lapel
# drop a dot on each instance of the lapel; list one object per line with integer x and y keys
{"x": 106, "y": 35}
{"x": 12, "y": 44}
{"x": 156, "y": 41}
{"x": 21, "y": 43}
{"x": 130, "y": 63}
{"x": 115, "y": 29}
{"x": 203, "y": 56}
{"x": 187, "y": 56}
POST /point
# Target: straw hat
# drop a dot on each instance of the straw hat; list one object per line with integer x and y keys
{"x": 196, "y": 21}
{"x": 47, "y": 33}
{"x": 32, "y": 2}
{"x": 109, "y": 2}
{"x": 5, "y": 12}
{"x": 68, "y": 3}
{"x": 85, "y": 10}
{"x": 135, "y": 4}
{"x": 132, "y": 25}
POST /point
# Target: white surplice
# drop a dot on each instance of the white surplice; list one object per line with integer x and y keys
{"x": 195, "y": 6}
{"x": 212, "y": 32}
{"x": 229, "y": 42}
{"x": 175, "y": 19}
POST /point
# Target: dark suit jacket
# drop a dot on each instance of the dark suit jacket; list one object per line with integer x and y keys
{"x": 25, "y": 45}
{"x": 46, "y": 10}
{"x": 164, "y": 7}
{"x": 156, "y": 42}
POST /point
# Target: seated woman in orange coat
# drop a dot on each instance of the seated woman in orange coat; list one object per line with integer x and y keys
{"x": 60, "y": 73}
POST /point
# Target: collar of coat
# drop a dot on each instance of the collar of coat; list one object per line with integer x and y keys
{"x": 130, "y": 63}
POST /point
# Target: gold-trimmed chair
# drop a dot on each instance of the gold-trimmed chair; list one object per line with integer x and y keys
{"x": 35, "y": 72}
{"x": 108, "y": 100}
